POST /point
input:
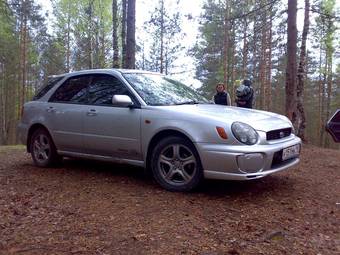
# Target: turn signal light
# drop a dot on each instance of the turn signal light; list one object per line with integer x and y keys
{"x": 221, "y": 132}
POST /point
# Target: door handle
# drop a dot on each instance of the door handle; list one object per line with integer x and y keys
{"x": 50, "y": 109}
{"x": 91, "y": 112}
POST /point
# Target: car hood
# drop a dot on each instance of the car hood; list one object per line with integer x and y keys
{"x": 260, "y": 120}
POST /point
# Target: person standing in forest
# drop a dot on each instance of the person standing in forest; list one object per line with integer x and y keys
{"x": 245, "y": 95}
{"x": 222, "y": 96}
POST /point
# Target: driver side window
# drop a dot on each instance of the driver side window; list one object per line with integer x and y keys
{"x": 103, "y": 87}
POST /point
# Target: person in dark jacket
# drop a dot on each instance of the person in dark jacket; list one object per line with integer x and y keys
{"x": 222, "y": 96}
{"x": 245, "y": 95}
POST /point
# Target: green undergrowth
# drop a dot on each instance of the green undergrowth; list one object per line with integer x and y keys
{"x": 6, "y": 148}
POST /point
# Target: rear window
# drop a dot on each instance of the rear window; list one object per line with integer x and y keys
{"x": 74, "y": 90}
{"x": 46, "y": 87}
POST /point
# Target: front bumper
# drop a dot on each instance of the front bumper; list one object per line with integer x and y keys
{"x": 242, "y": 162}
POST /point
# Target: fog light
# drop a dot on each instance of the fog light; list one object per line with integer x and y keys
{"x": 251, "y": 162}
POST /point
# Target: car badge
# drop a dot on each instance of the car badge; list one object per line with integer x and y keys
{"x": 282, "y": 134}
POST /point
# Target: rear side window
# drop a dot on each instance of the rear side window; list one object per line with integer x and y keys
{"x": 103, "y": 87}
{"x": 46, "y": 87}
{"x": 73, "y": 90}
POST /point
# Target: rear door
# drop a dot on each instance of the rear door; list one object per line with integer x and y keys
{"x": 65, "y": 113}
{"x": 111, "y": 130}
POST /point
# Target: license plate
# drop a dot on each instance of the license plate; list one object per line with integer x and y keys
{"x": 291, "y": 152}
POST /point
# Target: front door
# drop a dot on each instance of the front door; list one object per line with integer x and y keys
{"x": 111, "y": 130}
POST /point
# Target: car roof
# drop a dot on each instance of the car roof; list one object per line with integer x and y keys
{"x": 114, "y": 70}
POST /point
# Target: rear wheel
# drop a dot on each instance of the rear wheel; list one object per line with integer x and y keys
{"x": 43, "y": 150}
{"x": 176, "y": 165}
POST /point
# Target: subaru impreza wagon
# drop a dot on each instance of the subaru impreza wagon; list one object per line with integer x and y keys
{"x": 150, "y": 120}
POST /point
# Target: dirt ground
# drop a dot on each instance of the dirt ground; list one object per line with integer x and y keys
{"x": 87, "y": 207}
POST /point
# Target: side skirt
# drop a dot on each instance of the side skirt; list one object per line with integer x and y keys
{"x": 138, "y": 163}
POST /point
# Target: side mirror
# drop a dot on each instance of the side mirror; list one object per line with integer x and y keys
{"x": 333, "y": 126}
{"x": 122, "y": 100}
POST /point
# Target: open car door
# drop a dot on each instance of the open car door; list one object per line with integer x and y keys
{"x": 333, "y": 126}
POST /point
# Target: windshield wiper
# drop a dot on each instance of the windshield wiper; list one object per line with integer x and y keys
{"x": 187, "y": 102}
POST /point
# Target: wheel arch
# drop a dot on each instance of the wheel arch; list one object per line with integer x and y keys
{"x": 159, "y": 136}
{"x": 31, "y": 130}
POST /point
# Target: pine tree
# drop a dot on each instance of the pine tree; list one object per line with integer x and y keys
{"x": 300, "y": 118}
{"x": 115, "y": 62}
{"x": 130, "y": 35}
{"x": 291, "y": 69}
{"x": 165, "y": 30}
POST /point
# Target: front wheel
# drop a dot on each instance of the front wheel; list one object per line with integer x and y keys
{"x": 176, "y": 165}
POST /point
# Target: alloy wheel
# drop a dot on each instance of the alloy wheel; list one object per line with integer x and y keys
{"x": 177, "y": 164}
{"x": 41, "y": 148}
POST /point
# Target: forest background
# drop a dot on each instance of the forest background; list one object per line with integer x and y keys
{"x": 295, "y": 72}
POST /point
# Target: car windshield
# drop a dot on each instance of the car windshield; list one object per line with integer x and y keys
{"x": 156, "y": 89}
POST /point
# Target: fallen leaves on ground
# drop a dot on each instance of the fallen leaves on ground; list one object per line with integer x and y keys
{"x": 88, "y": 207}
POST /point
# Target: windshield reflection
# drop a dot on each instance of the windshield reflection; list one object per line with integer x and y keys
{"x": 156, "y": 89}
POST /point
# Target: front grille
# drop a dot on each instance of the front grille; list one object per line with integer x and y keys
{"x": 278, "y": 133}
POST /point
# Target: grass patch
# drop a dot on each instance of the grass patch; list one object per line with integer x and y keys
{"x": 7, "y": 148}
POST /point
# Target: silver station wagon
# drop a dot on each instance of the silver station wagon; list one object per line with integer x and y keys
{"x": 150, "y": 120}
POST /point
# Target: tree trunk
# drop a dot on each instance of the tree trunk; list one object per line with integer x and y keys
{"x": 291, "y": 60}
{"x": 91, "y": 44}
{"x": 268, "y": 95}
{"x": 245, "y": 48}
{"x": 262, "y": 74}
{"x": 2, "y": 104}
{"x": 162, "y": 37}
{"x": 323, "y": 98}
{"x": 329, "y": 91}
{"x": 8, "y": 107}
{"x": 123, "y": 33}
{"x": 320, "y": 98}
{"x": 130, "y": 34}
{"x": 23, "y": 50}
{"x": 166, "y": 67}
{"x": 233, "y": 69}
{"x": 21, "y": 59}
{"x": 300, "y": 121}
{"x": 101, "y": 38}
{"x": 115, "y": 62}
{"x": 254, "y": 58}
{"x": 68, "y": 46}
{"x": 143, "y": 57}
{"x": 226, "y": 43}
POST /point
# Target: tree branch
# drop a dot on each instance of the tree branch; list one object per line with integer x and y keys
{"x": 255, "y": 10}
{"x": 313, "y": 9}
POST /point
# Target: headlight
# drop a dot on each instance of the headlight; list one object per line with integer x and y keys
{"x": 244, "y": 133}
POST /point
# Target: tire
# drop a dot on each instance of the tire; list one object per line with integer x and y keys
{"x": 43, "y": 150}
{"x": 175, "y": 164}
